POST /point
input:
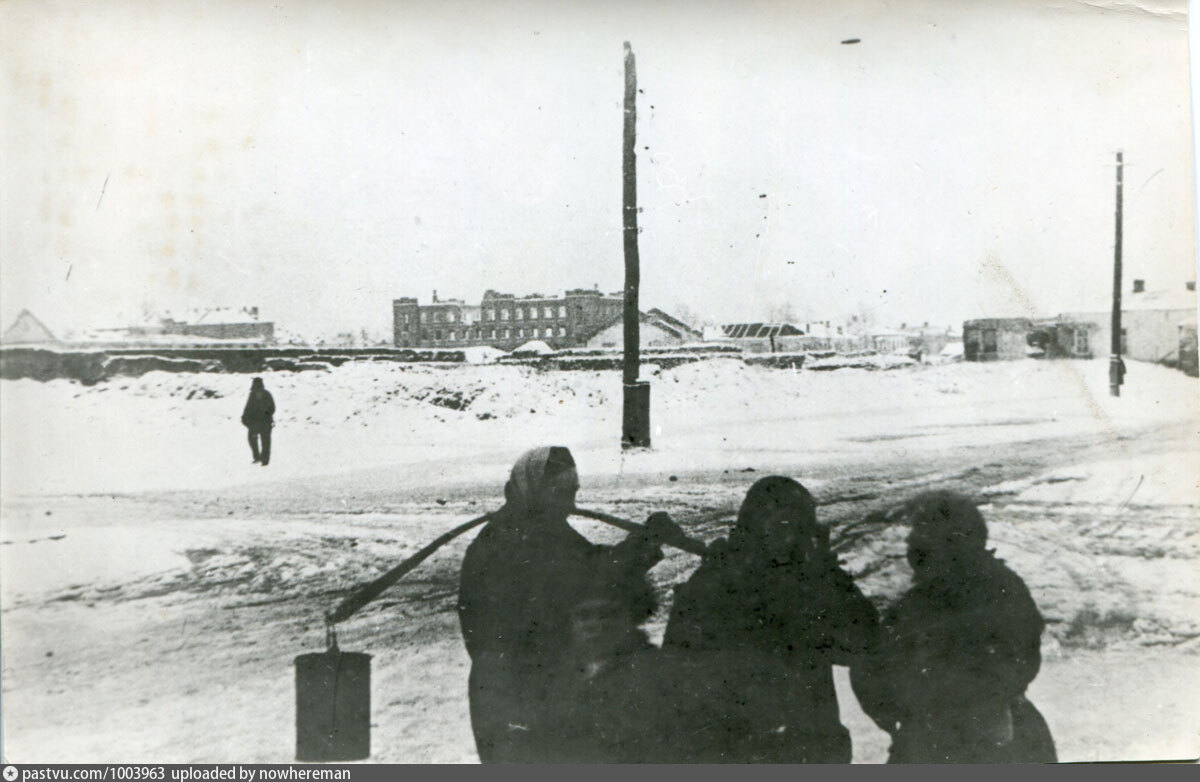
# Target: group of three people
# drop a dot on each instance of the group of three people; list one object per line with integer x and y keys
{"x": 562, "y": 672}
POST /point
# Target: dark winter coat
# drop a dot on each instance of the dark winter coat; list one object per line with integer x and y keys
{"x": 771, "y": 633}
{"x": 519, "y": 582}
{"x": 640, "y": 708}
{"x": 949, "y": 675}
{"x": 259, "y": 412}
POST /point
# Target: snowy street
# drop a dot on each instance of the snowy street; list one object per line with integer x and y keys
{"x": 156, "y": 585}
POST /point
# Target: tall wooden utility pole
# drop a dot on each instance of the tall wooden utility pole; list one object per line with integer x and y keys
{"x": 635, "y": 427}
{"x": 1116, "y": 367}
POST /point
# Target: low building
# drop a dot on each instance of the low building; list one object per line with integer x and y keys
{"x": 686, "y": 332}
{"x": 27, "y": 330}
{"x": 892, "y": 341}
{"x": 1149, "y": 322}
{"x": 760, "y": 337}
{"x": 1000, "y": 339}
{"x": 655, "y": 329}
{"x": 930, "y": 340}
{"x": 824, "y": 329}
{"x": 218, "y": 324}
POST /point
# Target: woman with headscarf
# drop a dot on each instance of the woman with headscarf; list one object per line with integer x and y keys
{"x": 258, "y": 417}
{"x": 767, "y": 615}
{"x": 957, "y": 651}
{"x": 520, "y": 577}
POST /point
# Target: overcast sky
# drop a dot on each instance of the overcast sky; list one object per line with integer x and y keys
{"x": 319, "y": 159}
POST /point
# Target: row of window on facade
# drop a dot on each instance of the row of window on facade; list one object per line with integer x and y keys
{"x": 988, "y": 344}
{"x": 453, "y": 335}
{"x": 520, "y": 313}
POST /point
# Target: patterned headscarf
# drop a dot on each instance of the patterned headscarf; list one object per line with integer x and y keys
{"x": 530, "y": 474}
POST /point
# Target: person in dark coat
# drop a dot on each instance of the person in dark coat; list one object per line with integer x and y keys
{"x": 957, "y": 651}
{"x": 519, "y": 578}
{"x": 767, "y": 615}
{"x": 258, "y": 417}
{"x": 613, "y": 698}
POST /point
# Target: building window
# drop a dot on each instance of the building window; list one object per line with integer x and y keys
{"x": 1081, "y": 341}
{"x": 449, "y": 317}
{"x": 424, "y": 317}
{"x": 489, "y": 314}
{"x": 493, "y": 333}
{"x": 507, "y": 333}
{"x": 503, "y": 314}
{"x": 519, "y": 313}
{"x": 548, "y": 312}
{"x": 562, "y": 311}
{"x": 521, "y": 333}
{"x": 989, "y": 340}
{"x": 437, "y": 334}
{"x": 453, "y": 335}
{"x": 533, "y": 313}
{"x": 406, "y": 317}
{"x": 562, "y": 331}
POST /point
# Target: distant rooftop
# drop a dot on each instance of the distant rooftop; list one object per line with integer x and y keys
{"x": 760, "y": 330}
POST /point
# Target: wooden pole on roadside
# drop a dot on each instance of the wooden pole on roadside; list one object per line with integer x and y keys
{"x": 635, "y": 419}
{"x": 1116, "y": 367}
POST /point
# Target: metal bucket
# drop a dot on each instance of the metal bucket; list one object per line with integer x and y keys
{"x": 333, "y": 706}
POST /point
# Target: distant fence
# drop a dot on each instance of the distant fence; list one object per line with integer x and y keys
{"x": 601, "y": 359}
{"x": 92, "y": 366}
{"x": 806, "y": 344}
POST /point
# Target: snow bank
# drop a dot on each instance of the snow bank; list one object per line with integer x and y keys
{"x": 534, "y": 347}
{"x": 181, "y": 430}
{"x": 482, "y": 354}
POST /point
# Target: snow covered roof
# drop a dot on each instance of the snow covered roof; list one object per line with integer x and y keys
{"x": 1173, "y": 299}
{"x": 27, "y": 328}
{"x": 482, "y": 354}
{"x": 535, "y": 346}
{"x": 761, "y": 330}
{"x": 675, "y": 323}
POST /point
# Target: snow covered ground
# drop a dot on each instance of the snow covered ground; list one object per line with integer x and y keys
{"x": 165, "y": 431}
{"x": 155, "y": 585}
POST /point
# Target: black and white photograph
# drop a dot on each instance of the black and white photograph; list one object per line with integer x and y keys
{"x": 598, "y": 382}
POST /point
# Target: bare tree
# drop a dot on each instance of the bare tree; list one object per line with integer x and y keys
{"x": 783, "y": 312}
{"x": 862, "y": 319}
{"x": 691, "y": 316}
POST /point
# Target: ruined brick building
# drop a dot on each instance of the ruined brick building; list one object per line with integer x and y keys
{"x": 578, "y": 318}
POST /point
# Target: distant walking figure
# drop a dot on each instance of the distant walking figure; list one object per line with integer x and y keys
{"x": 258, "y": 417}
{"x": 957, "y": 651}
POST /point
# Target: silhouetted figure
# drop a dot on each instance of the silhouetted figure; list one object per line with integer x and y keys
{"x": 520, "y": 577}
{"x": 613, "y": 697}
{"x": 766, "y": 616}
{"x": 957, "y": 651}
{"x": 258, "y": 417}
